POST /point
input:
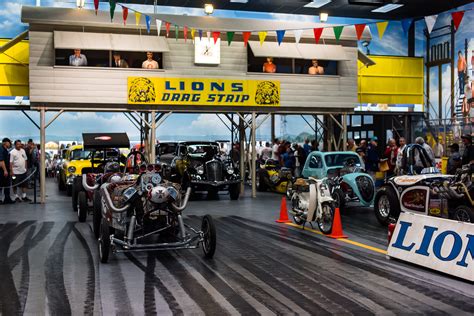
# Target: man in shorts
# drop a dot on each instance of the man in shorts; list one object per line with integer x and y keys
{"x": 19, "y": 167}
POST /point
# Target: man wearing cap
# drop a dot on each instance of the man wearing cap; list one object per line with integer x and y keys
{"x": 372, "y": 164}
{"x": 5, "y": 175}
{"x": 118, "y": 61}
{"x": 468, "y": 154}
{"x": 454, "y": 161}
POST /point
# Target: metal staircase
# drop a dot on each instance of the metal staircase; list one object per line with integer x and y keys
{"x": 458, "y": 107}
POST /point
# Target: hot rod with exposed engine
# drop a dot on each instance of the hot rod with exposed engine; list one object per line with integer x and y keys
{"x": 145, "y": 214}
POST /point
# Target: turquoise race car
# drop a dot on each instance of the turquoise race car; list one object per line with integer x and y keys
{"x": 347, "y": 180}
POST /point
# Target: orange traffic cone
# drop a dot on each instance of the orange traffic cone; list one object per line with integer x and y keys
{"x": 283, "y": 212}
{"x": 337, "y": 226}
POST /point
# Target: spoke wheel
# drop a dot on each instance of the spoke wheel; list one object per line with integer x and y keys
{"x": 209, "y": 236}
{"x": 326, "y": 220}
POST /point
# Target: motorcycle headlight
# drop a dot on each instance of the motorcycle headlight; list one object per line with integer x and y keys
{"x": 230, "y": 170}
{"x": 71, "y": 169}
{"x": 200, "y": 170}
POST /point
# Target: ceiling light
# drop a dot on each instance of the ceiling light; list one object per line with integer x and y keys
{"x": 80, "y": 3}
{"x": 387, "y": 8}
{"x": 208, "y": 8}
{"x": 239, "y": 1}
{"x": 317, "y": 3}
{"x": 323, "y": 17}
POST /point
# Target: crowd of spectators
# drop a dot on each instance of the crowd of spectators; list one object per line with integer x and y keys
{"x": 18, "y": 163}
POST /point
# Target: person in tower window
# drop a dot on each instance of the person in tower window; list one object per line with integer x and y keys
{"x": 150, "y": 63}
{"x": 118, "y": 61}
{"x": 315, "y": 69}
{"x": 77, "y": 59}
{"x": 269, "y": 66}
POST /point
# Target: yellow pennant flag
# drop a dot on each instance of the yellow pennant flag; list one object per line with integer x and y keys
{"x": 381, "y": 27}
{"x": 193, "y": 31}
{"x": 262, "y": 36}
{"x": 138, "y": 15}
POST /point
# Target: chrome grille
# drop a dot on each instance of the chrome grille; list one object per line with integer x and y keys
{"x": 214, "y": 170}
{"x": 366, "y": 188}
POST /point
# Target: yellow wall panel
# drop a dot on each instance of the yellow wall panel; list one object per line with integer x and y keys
{"x": 14, "y": 74}
{"x": 392, "y": 80}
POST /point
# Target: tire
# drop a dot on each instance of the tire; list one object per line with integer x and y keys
{"x": 234, "y": 191}
{"x": 463, "y": 213}
{"x": 386, "y": 205}
{"x": 68, "y": 190}
{"x": 289, "y": 189}
{"x": 327, "y": 218}
{"x": 96, "y": 214}
{"x": 298, "y": 220}
{"x": 339, "y": 196}
{"x": 82, "y": 206}
{"x": 76, "y": 188}
{"x": 104, "y": 241}
{"x": 209, "y": 236}
{"x": 261, "y": 185}
{"x": 61, "y": 184}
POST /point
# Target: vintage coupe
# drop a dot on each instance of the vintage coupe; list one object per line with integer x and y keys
{"x": 75, "y": 158}
{"x": 200, "y": 166}
{"x": 347, "y": 181}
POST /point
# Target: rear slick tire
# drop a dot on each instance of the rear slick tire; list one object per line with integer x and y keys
{"x": 464, "y": 213}
{"x": 386, "y": 205}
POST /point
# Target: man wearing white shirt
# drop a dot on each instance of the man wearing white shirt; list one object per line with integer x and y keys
{"x": 18, "y": 166}
{"x": 150, "y": 63}
{"x": 275, "y": 154}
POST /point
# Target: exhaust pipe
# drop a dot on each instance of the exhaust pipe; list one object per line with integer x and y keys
{"x": 86, "y": 186}
{"x": 109, "y": 202}
{"x": 176, "y": 208}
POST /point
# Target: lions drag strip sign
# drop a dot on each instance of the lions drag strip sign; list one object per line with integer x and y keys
{"x": 203, "y": 92}
{"x": 439, "y": 244}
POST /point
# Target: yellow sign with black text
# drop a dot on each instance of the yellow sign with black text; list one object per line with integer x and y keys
{"x": 203, "y": 92}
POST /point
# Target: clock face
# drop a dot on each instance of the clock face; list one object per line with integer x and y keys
{"x": 206, "y": 52}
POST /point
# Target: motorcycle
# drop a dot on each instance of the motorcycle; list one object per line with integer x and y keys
{"x": 311, "y": 201}
{"x": 272, "y": 177}
{"x": 145, "y": 214}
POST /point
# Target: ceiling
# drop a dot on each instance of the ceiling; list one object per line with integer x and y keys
{"x": 339, "y": 8}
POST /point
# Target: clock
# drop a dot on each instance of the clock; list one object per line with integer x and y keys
{"x": 206, "y": 52}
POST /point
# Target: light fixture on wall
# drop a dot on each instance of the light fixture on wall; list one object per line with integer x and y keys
{"x": 366, "y": 45}
{"x": 317, "y": 3}
{"x": 208, "y": 8}
{"x": 80, "y": 3}
{"x": 323, "y": 17}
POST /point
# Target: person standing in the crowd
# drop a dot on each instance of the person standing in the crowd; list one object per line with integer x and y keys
{"x": 372, "y": 164}
{"x": 351, "y": 145}
{"x": 5, "y": 172}
{"x": 391, "y": 153}
{"x": 282, "y": 149}
{"x": 468, "y": 154}
{"x": 307, "y": 147}
{"x": 455, "y": 160}
{"x": 438, "y": 148}
{"x": 419, "y": 165}
{"x": 19, "y": 167}
{"x": 361, "y": 154}
{"x": 275, "y": 154}
{"x": 398, "y": 166}
{"x": 266, "y": 152}
{"x": 288, "y": 159}
{"x": 420, "y": 141}
{"x": 314, "y": 145}
{"x": 300, "y": 159}
{"x": 461, "y": 71}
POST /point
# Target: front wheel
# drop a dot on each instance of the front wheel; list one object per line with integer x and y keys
{"x": 82, "y": 206}
{"x": 327, "y": 218}
{"x": 104, "y": 241}
{"x": 97, "y": 214}
{"x": 298, "y": 220}
{"x": 386, "y": 205}
{"x": 463, "y": 213}
{"x": 340, "y": 198}
{"x": 234, "y": 191}
{"x": 209, "y": 236}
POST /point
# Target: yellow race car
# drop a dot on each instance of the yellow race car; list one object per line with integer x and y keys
{"x": 75, "y": 159}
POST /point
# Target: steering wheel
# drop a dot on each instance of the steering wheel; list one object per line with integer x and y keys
{"x": 134, "y": 159}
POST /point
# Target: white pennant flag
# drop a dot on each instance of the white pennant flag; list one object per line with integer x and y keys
{"x": 208, "y": 36}
{"x": 158, "y": 26}
{"x": 297, "y": 35}
{"x": 430, "y": 22}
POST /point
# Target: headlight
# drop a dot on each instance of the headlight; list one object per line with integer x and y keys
{"x": 71, "y": 169}
{"x": 200, "y": 170}
{"x": 230, "y": 170}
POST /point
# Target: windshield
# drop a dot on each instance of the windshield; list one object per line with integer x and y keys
{"x": 78, "y": 154}
{"x": 201, "y": 150}
{"x": 339, "y": 160}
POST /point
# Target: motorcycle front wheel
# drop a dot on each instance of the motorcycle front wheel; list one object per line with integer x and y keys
{"x": 326, "y": 220}
{"x": 209, "y": 236}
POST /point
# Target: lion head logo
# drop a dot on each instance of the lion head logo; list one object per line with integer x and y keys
{"x": 267, "y": 94}
{"x": 142, "y": 90}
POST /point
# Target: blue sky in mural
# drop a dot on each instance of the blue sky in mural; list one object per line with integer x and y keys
{"x": 394, "y": 42}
